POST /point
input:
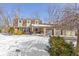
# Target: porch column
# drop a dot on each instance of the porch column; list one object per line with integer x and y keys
{"x": 54, "y": 32}
{"x": 32, "y": 28}
{"x": 44, "y": 31}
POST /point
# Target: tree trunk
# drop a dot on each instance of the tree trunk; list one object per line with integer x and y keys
{"x": 78, "y": 38}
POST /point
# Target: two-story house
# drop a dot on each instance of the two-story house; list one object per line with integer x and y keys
{"x": 26, "y": 24}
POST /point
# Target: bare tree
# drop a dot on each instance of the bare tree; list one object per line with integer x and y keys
{"x": 70, "y": 20}
{"x": 53, "y": 14}
{"x": 36, "y": 14}
{"x": 3, "y": 18}
{"x": 15, "y": 16}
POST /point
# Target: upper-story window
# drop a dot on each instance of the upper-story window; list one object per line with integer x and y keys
{"x": 36, "y": 21}
{"x": 20, "y": 21}
{"x": 28, "y": 21}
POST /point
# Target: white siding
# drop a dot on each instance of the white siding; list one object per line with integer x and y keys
{"x": 20, "y": 23}
{"x": 28, "y": 22}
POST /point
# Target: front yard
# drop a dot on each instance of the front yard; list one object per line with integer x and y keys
{"x": 24, "y": 45}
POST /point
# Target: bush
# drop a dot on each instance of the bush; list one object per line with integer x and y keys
{"x": 11, "y": 30}
{"x": 19, "y": 33}
{"x": 0, "y": 30}
{"x": 58, "y": 47}
{"x": 77, "y": 51}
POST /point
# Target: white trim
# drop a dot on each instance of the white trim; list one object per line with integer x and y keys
{"x": 41, "y": 25}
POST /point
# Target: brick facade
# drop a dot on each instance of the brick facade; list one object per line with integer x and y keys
{"x": 26, "y": 24}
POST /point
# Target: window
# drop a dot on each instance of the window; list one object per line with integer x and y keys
{"x": 20, "y": 21}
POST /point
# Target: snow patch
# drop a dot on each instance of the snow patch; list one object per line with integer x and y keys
{"x": 9, "y": 44}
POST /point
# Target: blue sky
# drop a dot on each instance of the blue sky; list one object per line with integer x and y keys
{"x": 28, "y": 10}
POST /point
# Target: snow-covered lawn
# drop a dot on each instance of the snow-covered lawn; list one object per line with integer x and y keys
{"x": 24, "y": 45}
